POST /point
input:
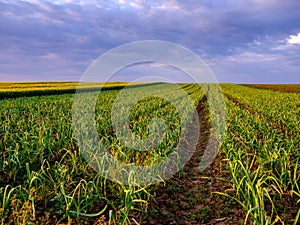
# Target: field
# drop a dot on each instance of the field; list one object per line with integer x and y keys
{"x": 22, "y": 89}
{"x": 255, "y": 178}
{"x": 293, "y": 88}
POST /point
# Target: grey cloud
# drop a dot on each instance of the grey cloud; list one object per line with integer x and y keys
{"x": 80, "y": 33}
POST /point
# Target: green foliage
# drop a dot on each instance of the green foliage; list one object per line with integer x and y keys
{"x": 262, "y": 149}
{"x": 44, "y": 179}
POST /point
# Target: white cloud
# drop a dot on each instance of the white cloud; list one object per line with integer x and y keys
{"x": 51, "y": 56}
{"x": 294, "y": 39}
{"x": 169, "y": 5}
{"x": 137, "y": 5}
{"x": 251, "y": 57}
{"x": 159, "y": 64}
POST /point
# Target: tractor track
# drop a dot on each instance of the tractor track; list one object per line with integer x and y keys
{"x": 188, "y": 197}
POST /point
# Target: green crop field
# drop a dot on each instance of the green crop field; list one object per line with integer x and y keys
{"x": 255, "y": 178}
{"x": 22, "y": 89}
{"x": 293, "y": 88}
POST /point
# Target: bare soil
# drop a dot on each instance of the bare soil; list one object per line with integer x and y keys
{"x": 188, "y": 197}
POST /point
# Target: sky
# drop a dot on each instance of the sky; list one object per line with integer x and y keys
{"x": 249, "y": 41}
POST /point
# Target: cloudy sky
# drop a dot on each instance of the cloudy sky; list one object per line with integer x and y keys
{"x": 242, "y": 41}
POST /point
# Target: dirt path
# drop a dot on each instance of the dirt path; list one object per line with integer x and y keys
{"x": 187, "y": 197}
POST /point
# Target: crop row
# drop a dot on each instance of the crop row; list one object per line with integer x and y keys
{"x": 262, "y": 152}
{"x": 43, "y": 177}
